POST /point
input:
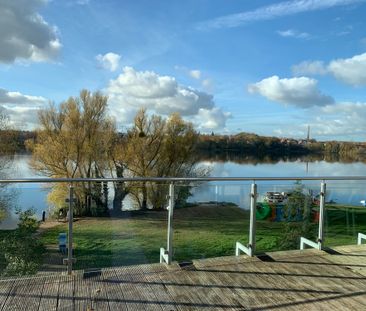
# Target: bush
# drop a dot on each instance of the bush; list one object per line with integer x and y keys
{"x": 297, "y": 213}
{"x": 21, "y": 251}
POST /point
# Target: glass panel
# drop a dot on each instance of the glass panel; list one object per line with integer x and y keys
{"x": 26, "y": 217}
{"x": 286, "y": 211}
{"x": 112, "y": 229}
{"x": 345, "y": 213}
{"x": 214, "y": 219}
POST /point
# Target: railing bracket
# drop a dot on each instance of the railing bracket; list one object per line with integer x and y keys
{"x": 360, "y": 237}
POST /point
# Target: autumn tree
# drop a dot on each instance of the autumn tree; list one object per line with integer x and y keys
{"x": 74, "y": 140}
{"x": 159, "y": 148}
{"x": 142, "y": 152}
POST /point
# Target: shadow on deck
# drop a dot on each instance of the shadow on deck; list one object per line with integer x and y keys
{"x": 291, "y": 280}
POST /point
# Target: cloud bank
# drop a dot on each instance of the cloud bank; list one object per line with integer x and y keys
{"x": 24, "y": 34}
{"x": 133, "y": 89}
{"x": 300, "y": 92}
{"x": 22, "y": 109}
{"x": 351, "y": 70}
{"x": 344, "y": 120}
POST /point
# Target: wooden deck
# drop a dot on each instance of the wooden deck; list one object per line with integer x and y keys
{"x": 294, "y": 280}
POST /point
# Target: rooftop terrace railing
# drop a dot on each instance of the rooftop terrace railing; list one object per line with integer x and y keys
{"x": 166, "y": 253}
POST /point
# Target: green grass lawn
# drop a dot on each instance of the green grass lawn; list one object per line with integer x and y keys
{"x": 199, "y": 232}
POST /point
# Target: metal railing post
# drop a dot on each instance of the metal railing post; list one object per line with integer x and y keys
{"x": 170, "y": 224}
{"x": 167, "y": 255}
{"x": 321, "y": 215}
{"x": 252, "y": 226}
{"x": 70, "y": 233}
{"x": 250, "y": 249}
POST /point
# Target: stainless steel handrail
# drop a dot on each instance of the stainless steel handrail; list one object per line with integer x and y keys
{"x": 176, "y": 179}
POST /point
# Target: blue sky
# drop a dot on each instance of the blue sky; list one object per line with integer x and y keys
{"x": 269, "y": 67}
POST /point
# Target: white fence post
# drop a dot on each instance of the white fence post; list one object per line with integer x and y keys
{"x": 167, "y": 255}
{"x": 250, "y": 249}
{"x": 70, "y": 233}
{"x": 321, "y": 215}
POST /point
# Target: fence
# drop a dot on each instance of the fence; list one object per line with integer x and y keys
{"x": 166, "y": 253}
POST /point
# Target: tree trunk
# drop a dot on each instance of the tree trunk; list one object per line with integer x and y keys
{"x": 119, "y": 195}
{"x": 119, "y": 190}
{"x": 144, "y": 197}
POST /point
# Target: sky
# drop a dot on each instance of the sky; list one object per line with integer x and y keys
{"x": 266, "y": 67}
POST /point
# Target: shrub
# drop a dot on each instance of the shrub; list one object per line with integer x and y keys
{"x": 21, "y": 250}
{"x": 297, "y": 213}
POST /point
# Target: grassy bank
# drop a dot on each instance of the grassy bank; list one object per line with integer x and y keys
{"x": 199, "y": 232}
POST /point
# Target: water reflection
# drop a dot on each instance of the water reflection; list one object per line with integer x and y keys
{"x": 275, "y": 158}
{"x": 224, "y": 165}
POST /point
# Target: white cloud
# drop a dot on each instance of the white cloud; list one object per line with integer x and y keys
{"x": 309, "y": 68}
{"x": 22, "y": 109}
{"x": 109, "y": 61}
{"x": 133, "y": 89}
{"x": 24, "y": 34}
{"x": 16, "y": 98}
{"x": 350, "y": 70}
{"x": 195, "y": 74}
{"x": 300, "y": 92}
{"x": 209, "y": 119}
{"x": 345, "y": 120}
{"x": 273, "y": 11}
{"x": 291, "y": 33}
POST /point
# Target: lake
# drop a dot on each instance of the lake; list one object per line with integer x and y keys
{"x": 347, "y": 192}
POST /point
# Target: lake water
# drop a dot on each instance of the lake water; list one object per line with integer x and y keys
{"x": 347, "y": 192}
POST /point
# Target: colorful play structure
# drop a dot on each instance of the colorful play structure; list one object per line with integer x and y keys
{"x": 272, "y": 208}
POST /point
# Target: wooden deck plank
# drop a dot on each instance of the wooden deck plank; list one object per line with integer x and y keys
{"x": 5, "y": 290}
{"x": 159, "y": 293}
{"x": 49, "y": 297}
{"x": 191, "y": 293}
{"x": 25, "y": 292}
{"x": 216, "y": 292}
{"x": 132, "y": 298}
{"x": 16, "y": 292}
{"x": 34, "y": 294}
{"x": 306, "y": 280}
{"x": 178, "y": 287}
{"x": 66, "y": 293}
{"x": 82, "y": 297}
{"x": 134, "y": 278}
{"x": 98, "y": 295}
{"x": 116, "y": 300}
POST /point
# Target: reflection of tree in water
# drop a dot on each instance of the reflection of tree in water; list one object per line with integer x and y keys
{"x": 7, "y": 196}
{"x": 241, "y": 158}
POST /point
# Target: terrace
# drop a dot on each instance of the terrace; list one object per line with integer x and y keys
{"x": 324, "y": 277}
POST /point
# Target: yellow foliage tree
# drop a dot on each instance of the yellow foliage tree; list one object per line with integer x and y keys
{"x": 74, "y": 140}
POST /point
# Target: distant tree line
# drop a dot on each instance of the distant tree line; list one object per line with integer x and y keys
{"x": 238, "y": 146}
{"x": 266, "y": 147}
